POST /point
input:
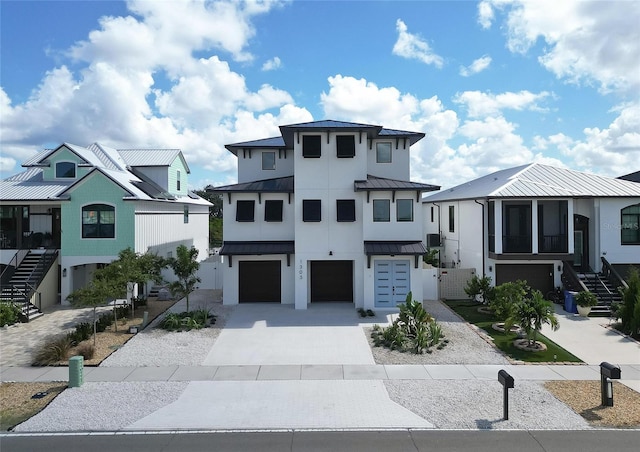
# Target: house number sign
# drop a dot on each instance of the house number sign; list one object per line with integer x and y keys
{"x": 300, "y": 269}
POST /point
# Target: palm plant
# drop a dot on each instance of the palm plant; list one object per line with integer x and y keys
{"x": 530, "y": 314}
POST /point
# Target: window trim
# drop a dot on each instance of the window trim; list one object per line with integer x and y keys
{"x": 346, "y": 203}
{"x": 634, "y": 225}
{"x": 386, "y": 219}
{"x": 314, "y": 204}
{"x": 404, "y": 201}
{"x": 75, "y": 169}
{"x": 246, "y": 202}
{"x": 306, "y": 152}
{"x": 378, "y": 160}
{"x": 97, "y": 207}
{"x": 270, "y": 202}
{"x": 271, "y": 153}
{"x": 351, "y": 146}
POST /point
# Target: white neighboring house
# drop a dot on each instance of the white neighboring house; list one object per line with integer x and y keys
{"x": 83, "y": 205}
{"x": 531, "y": 222}
{"x": 325, "y": 212}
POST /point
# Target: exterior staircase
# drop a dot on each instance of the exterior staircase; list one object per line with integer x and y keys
{"x": 603, "y": 289}
{"x": 25, "y": 280}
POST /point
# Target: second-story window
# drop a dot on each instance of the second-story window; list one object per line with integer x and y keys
{"x": 381, "y": 210}
{"x": 98, "y": 221}
{"x": 404, "y": 210}
{"x": 65, "y": 170}
{"x": 244, "y": 211}
{"x": 273, "y": 210}
{"x": 178, "y": 181}
{"x": 311, "y": 147}
{"x": 383, "y": 152}
{"x": 346, "y": 210}
{"x": 452, "y": 219}
{"x": 311, "y": 210}
{"x": 269, "y": 160}
{"x": 185, "y": 214}
{"x": 345, "y": 146}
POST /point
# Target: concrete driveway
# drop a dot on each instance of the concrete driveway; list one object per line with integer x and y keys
{"x": 264, "y": 334}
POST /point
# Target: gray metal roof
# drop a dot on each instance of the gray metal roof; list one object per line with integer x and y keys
{"x": 253, "y": 248}
{"x": 149, "y": 157}
{"x": 633, "y": 177}
{"x": 30, "y": 186}
{"x": 387, "y": 248}
{"x": 266, "y": 143}
{"x": 539, "y": 181}
{"x": 374, "y": 183}
{"x": 277, "y": 185}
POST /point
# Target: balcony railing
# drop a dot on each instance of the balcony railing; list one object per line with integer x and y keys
{"x": 553, "y": 244}
{"x": 516, "y": 243}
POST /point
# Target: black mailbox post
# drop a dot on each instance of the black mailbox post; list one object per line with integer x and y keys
{"x": 506, "y": 381}
{"x": 608, "y": 372}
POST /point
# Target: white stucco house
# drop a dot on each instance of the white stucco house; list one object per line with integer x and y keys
{"x": 325, "y": 212}
{"x": 534, "y": 222}
{"x": 80, "y": 206}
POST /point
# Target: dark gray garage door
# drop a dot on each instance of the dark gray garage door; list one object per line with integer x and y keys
{"x": 332, "y": 281}
{"x": 538, "y": 276}
{"x": 259, "y": 281}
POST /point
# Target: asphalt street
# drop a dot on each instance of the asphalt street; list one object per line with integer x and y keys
{"x": 313, "y": 441}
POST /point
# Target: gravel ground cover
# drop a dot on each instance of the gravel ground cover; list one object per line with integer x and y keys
{"x": 467, "y": 344}
{"x": 157, "y": 347}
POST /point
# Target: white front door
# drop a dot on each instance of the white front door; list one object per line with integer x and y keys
{"x": 393, "y": 282}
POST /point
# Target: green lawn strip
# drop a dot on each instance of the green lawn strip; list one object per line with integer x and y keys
{"x": 468, "y": 310}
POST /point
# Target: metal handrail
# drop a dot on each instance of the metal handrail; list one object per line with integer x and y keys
{"x": 570, "y": 274}
{"x": 14, "y": 262}
{"x": 612, "y": 274}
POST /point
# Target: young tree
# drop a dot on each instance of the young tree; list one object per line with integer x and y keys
{"x": 185, "y": 266}
{"x": 530, "y": 314}
{"x": 630, "y": 309}
{"x": 507, "y": 296}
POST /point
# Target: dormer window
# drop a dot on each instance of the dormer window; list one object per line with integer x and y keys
{"x": 65, "y": 170}
{"x": 346, "y": 146}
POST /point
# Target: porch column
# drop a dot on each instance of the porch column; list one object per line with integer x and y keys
{"x": 570, "y": 229}
{"x": 534, "y": 226}
{"x": 498, "y": 225}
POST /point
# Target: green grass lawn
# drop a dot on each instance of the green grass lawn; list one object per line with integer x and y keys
{"x": 468, "y": 310}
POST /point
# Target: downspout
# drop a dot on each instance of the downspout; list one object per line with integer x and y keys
{"x": 483, "y": 257}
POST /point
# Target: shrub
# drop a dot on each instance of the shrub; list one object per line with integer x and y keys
{"x": 186, "y": 321}
{"x": 630, "y": 310}
{"x": 123, "y": 312}
{"x": 586, "y": 299}
{"x": 53, "y": 350}
{"x": 104, "y": 320}
{"x": 86, "y": 350}
{"x": 507, "y": 295}
{"x": 480, "y": 289}
{"x": 9, "y": 314}
{"x": 82, "y": 332}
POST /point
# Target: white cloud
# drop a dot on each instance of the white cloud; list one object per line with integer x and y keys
{"x": 484, "y": 104}
{"x": 413, "y": 47}
{"x": 272, "y": 64}
{"x": 478, "y": 65}
{"x": 586, "y": 41}
{"x": 485, "y": 14}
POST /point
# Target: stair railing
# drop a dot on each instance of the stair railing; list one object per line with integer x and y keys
{"x": 571, "y": 278}
{"x": 13, "y": 263}
{"x": 612, "y": 274}
{"x": 609, "y": 293}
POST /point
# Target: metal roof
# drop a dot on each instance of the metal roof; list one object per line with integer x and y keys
{"x": 539, "y": 181}
{"x": 633, "y": 177}
{"x": 374, "y": 183}
{"x": 149, "y": 157}
{"x": 30, "y": 186}
{"x": 277, "y": 185}
{"x": 387, "y": 248}
{"x": 253, "y": 248}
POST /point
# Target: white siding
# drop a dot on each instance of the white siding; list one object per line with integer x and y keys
{"x": 400, "y": 159}
{"x": 609, "y": 240}
{"x": 250, "y": 165}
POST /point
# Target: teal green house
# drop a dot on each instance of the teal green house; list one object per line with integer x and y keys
{"x": 75, "y": 208}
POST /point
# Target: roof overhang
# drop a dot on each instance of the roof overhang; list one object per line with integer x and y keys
{"x": 394, "y": 248}
{"x": 258, "y": 248}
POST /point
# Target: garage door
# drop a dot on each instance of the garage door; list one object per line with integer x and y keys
{"x": 259, "y": 281}
{"x": 538, "y": 276}
{"x": 331, "y": 281}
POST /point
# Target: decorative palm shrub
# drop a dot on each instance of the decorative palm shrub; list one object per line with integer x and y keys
{"x": 530, "y": 314}
{"x": 480, "y": 289}
{"x": 414, "y": 329}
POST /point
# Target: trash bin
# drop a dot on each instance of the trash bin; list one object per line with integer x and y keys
{"x": 570, "y": 302}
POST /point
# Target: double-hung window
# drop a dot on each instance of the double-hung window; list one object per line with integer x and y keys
{"x": 383, "y": 152}
{"x": 381, "y": 208}
{"x": 269, "y": 160}
{"x": 98, "y": 221}
{"x": 404, "y": 210}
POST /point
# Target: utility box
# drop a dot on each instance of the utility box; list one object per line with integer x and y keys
{"x": 76, "y": 371}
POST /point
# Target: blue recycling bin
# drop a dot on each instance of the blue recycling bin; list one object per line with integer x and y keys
{"x": 570, "y": 302}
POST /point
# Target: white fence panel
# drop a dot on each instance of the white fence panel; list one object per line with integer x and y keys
{"x": 452, "y": 282}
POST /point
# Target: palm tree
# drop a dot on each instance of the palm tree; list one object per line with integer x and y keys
{"x": 530, "y": 314}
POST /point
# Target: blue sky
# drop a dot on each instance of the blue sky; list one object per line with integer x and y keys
{"x": 493, "y": 84}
